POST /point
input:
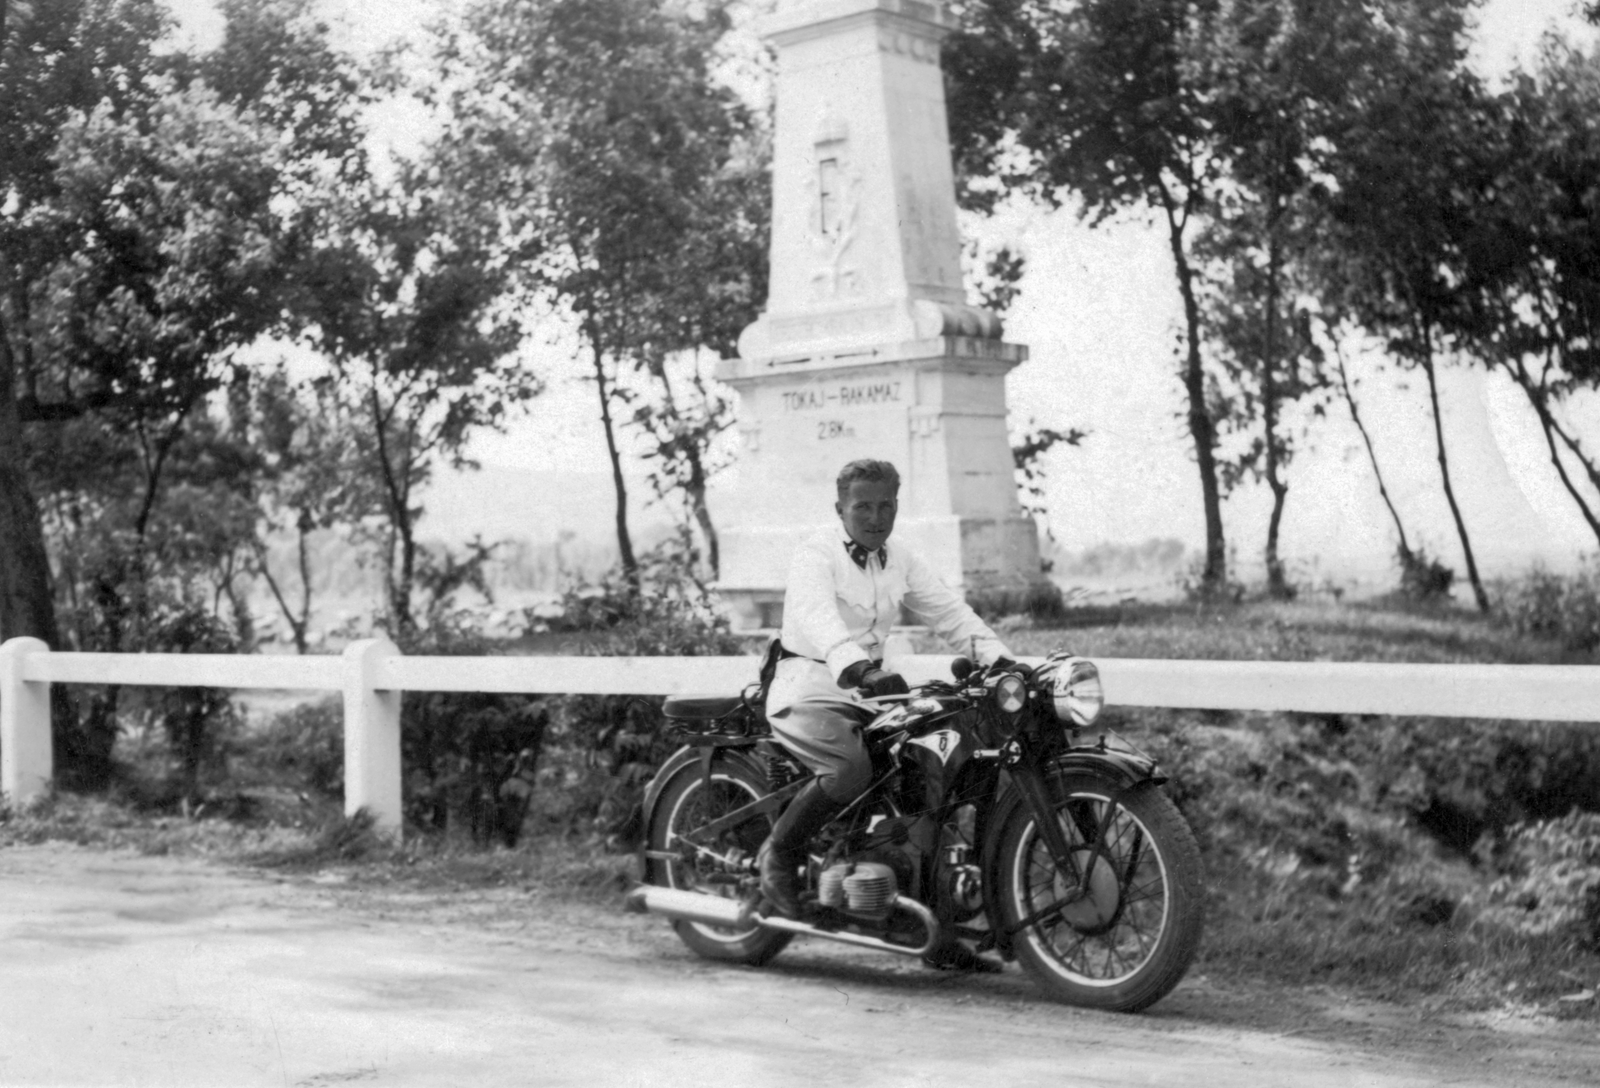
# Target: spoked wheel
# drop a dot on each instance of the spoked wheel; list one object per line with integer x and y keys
{"x": 685, "y": 804}
{"x": 1122, "y": 938}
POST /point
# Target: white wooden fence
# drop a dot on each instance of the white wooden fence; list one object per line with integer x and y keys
{"x": 373, "y": 673}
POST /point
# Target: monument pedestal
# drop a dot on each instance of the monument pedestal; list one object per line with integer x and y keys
{"x": 867, "y": 347}
{"x": 934, "y": 408}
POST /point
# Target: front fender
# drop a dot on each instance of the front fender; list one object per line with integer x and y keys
{"x": 1126, "y": 769}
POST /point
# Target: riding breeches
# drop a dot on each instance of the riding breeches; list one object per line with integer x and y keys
{"x": 826, "y": 737}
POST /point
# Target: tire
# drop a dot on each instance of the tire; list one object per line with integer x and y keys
{"x": 683, "y": 804}
{"x": 1126, "y": 944}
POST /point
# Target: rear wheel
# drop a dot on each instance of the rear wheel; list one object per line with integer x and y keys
{"x": 716, "y": 868}
{"x": 1123, "y": 940}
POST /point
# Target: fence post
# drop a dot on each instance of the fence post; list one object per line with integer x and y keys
{"x": 26, "y": 762}
{"x": 371, "y": 736}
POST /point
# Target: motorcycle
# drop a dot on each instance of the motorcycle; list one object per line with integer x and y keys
{"x": 992, "y": 825}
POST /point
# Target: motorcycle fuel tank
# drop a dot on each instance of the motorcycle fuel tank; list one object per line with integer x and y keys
{"x": 932, "y": 760}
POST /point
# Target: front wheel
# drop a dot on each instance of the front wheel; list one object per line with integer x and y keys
{"x": 685, "y": 803}
{"x": 1121, "y": 939}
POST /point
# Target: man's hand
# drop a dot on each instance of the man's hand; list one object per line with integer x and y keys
{"x": 880, "y": 682}
{"x": 873, "y": 680}
{"x": 1005, "y": 664}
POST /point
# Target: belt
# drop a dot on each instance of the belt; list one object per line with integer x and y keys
{"x": 784, "y": 654}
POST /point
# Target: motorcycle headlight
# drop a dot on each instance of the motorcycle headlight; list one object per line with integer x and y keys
{"x": 1011, "y": 693}
{"x": 1078, "y": 694}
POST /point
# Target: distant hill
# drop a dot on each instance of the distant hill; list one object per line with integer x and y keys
{"x": 502, "y": 503}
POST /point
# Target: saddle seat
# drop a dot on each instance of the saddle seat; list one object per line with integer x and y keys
{"x": 699, "y": 708}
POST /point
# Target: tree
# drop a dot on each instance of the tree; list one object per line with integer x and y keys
{"x": 149, "y": 230}
{"x": 1345, "y": 389}
{"x": 1284, "y": 72}
{"x": 1399, "y": 209}
{"x": 1108, "y": 102}
{"x": 633, "y": 185}
{"x": 1535, "y": 254}
{"x": 54, "y": 59}
{"x": 408, "y": 303}
{"x": 1261, "y": 337}
{"x": 310, "y": 481}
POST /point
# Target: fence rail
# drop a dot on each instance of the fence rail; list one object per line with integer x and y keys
{"x": 373, "y": 673}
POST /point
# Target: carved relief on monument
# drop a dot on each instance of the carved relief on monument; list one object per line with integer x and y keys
{"x": 914, "y": 46}
{"x": 925, "y": 420}
{"x": 750, "y": 436}
{"x": 834, "y": 193}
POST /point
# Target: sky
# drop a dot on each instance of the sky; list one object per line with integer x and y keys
{"x": 1098, "y": 309}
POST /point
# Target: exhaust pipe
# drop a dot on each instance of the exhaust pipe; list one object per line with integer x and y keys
{"x": 709, "y": 910}
{"x": 712, "y": 910}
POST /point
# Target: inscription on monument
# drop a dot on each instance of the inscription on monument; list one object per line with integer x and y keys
{"x": 844, "y": 395}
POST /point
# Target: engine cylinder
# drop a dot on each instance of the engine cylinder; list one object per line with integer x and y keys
{"x": 870, "y": 890}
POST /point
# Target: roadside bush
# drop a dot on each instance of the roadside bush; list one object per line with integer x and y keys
{"x": 1549, "y": 882}
{"x": 1041, "y": 602}
{"x": 133, "y": 595}
{"x": 460, "y": 748}
{"x": 302, "y": 747}
{"x": 1563, "y": 608}
{"x": 1423, "y": 579}
{"x": 603, "y": 749}
{"x": 198, "y": 722}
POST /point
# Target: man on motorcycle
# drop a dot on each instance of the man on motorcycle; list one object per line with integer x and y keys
{"x": 845, "y": 591}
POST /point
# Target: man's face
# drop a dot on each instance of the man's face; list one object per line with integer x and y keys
{"x": 867, "y": 511}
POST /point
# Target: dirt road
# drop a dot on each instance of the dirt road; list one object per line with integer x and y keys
{"x": 120, "y": 969}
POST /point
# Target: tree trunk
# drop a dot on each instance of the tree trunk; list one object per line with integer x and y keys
{"x": 1372, "y": 456}
{"x": 1444, "y": 473}
{"x": 25, "y": 604}
{"x": 695, "y": 487}
{"x": 698, "y": 481}
{"x": 702, "y": 512}
{"x": 1538, "y": 397}
{"x": 297, "y": 625}
{"x": 630, "y": 566}
{"x": 1214, "y": 579}
{"x": 1277, "y": 585}
{"x": 398, "y": 573}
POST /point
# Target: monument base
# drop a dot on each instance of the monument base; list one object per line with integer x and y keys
{"x": 974, "y": 556}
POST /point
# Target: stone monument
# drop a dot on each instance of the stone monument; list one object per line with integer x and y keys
{"x": 867, "y": 347}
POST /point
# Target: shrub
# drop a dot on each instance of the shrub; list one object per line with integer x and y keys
{"x": 302, "y": 747}
{"x": 459, "y": 748}
{"x": 1041, "y": 602}
{"x": 1423, "y": 579}
{"x": 198, "y": 721}
{"x": 1563, "y": 608}
{"x": 604, "y": 748}
{"x": 1549, "y": 882}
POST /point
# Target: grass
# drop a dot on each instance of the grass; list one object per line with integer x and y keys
{"x": 1310, "y": 631}
{"x": 1354, "y": 852}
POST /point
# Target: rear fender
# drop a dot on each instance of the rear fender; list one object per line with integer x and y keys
{"x": 704, "y": 756}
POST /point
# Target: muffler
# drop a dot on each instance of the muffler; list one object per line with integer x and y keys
{"x": 712, "y": 910}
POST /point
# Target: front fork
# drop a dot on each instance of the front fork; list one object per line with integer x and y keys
{"x": 1032, "y": 783}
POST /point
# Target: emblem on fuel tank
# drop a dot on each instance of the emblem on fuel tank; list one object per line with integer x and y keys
{"x": 941, "y": 742}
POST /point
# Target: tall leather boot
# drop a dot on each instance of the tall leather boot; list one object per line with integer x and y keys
{"x": 785, "y": 849}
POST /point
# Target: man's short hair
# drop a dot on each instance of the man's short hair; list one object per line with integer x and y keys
{"x": 877, "y": 472}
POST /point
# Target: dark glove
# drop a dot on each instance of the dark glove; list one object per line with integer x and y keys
{"x": 878, "y": 682}
{"x": 1005, "y": 664}
{"x": 850, "y": 676}
{"x": 872, "y": 680}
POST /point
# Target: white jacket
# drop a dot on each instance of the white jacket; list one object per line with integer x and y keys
{"x": 836, "y": 613}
